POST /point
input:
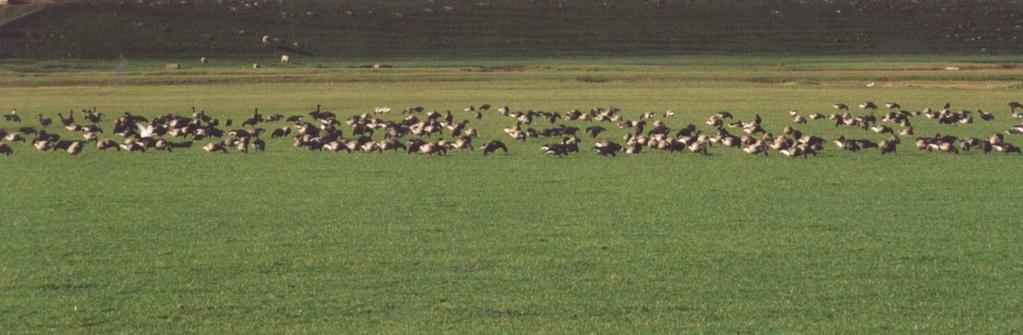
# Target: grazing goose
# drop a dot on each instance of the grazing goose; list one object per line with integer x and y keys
{"x": 892, "y": 105}
{"x": 840, "y": 106}
{"x": 433, "y": 148}
{"x": 669, "y": 113}
{"x": 793, "y": 151}
{"x": 12, "y": 116}
{"x": 107, "y": 144}
{"x": 132, "y": 146}
{"x": 1017, "y": 129}
{"x": 605, "y": 148}
{"x": 281, "y": 132}
{"x": 724, "y": 115}
{"x": 881, "y": 129}
{"x": 715, "y": 121}
{"x": 75, "y": 148}
{"x": 889, "y": 145}
{"x": 493, "y": 146}
{"x": 5, "y": 149}
{"x": 214, "y": 146}
{"x": 817, "y": 116}
{"x": 985, "y": 115}
{"x": 757, "y": 147}
{"x": 698, "y": 147}
{"x": 1008, "y": 148}
{"x": 1013, "y": 105}
{"x": 868, "y": 105}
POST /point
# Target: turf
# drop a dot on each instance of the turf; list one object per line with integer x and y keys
{"x": 291, "y": 241}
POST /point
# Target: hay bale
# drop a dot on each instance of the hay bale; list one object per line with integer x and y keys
{"x": 173, "y": 66}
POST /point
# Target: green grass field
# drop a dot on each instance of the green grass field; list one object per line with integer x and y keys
{"x": 292, "y": 241}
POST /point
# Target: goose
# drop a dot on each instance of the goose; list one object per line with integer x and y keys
{"x": 371, "y": 147}
{"x": 892, "y": 105}
{"x": 259, "y": 144}
{"x": 881, "y": 129}
{"x": 669, "y": 113}
{"x": 1017, "y": 129}
{"x": 14, "y": 137}
{"x": 281, "y": 132}
{"x": 757, "y": 147}
{"x": 817, "y": 116}
{"x": 967, "y": 144}
{"x": 908, "y": 131}
{"x": 799, "y": 119}
{"x": 1008, "y": 148}
{"x": 75, "y": 148}
{"x": 559, "y": 149}
{"x": 996, "y": 139}
{"x": 5, "y": 149}
{"x": 42, "y": 144}
{"x": 698, "y": 147}
{"x": 214, "y": 146}
{"x": 1013, "y": 105}
{"x": 67, "y": 121}
{"x": 132, "y": 146}
{"x": 605, "y": 148}
{"x": 45, "y": 122}
{"x": 793, "y": 152}
{"x": 390, "y": 144}
{"x": 12, "y": 116}
{"x": 840, "y": 106}
{"x": 593, "y": 131}
{"x": 633, "y": 148}
{"x": 715, "y": 121}
{"x": 162, "y": 145}
{"x": 724, "y": 115}
{"x": 107, "y": 144}
{"x": 889, "y": 145}
{"x": 335, "y": 146}
{"x": 493, "y": 146}
{"x": 463, "y": 143}
{"x": 433, "y": 148}
{"x": 145, "y": 131}
{"x": 985, "y": 115}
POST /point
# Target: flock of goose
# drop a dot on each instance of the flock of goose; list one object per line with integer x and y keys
{"x": 320, "y": 130}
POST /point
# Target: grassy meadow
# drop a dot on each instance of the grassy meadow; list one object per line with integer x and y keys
{"x": 293, "y": 241}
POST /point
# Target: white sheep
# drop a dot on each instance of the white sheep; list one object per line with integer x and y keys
{"x": 285, "y": 59}
{"x": 266, "y": 40}
{"x": 256, "y": 65}
{"x": 204, "y": 60}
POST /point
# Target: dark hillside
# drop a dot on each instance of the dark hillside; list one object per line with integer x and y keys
{"x": 489, "y": 28}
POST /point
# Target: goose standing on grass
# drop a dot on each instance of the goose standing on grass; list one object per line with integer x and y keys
{"x": 45, "y": 122}
{"x": 75, "y": 148}
{"x": 493, "y": 146}
{"x": 1013, "y": 105}
{"x": 12, "y": 116}
{"x": 5, "y": 149}
{"x": 868, "y": 105}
